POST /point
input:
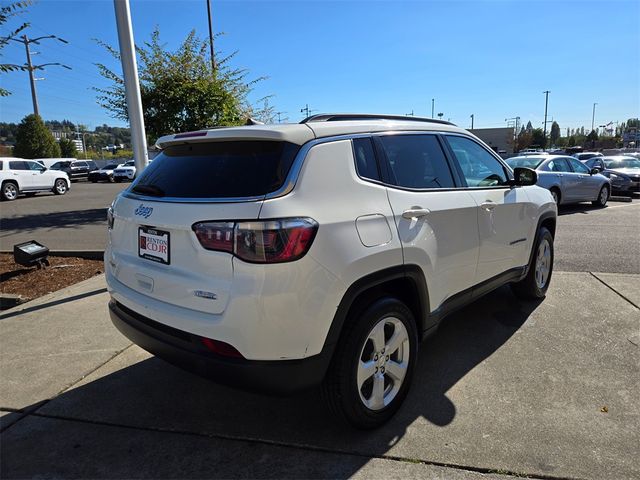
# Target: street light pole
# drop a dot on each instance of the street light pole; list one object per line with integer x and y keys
{"x": 593, "y": 116}
{"x": 131, "y": 83}
{"x": 433, "y": 103}
{"x": 544, "y": 133}
{"x": 472, "y": 121}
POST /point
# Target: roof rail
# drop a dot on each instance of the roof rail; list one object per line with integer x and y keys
{"x": 336, "y": 117}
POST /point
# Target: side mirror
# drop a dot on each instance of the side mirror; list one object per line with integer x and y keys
{"x": 595, "y": 171}
{"x": 523, "y": 177}
{"x": 43, "y": 169}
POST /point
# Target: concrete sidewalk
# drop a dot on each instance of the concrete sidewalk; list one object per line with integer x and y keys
{"x": 503, "y": 388}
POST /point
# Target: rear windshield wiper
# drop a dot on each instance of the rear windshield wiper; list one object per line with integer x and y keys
{"x": 149, "y": 190}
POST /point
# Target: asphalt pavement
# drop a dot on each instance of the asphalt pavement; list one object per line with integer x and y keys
{"x": 75, "y": 221}
{"x": 543, "y": 389}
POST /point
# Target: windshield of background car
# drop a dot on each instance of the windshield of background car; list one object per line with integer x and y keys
{"x": 111, "y": 166}
{"x": 245, "y": 168}
{"x": 59, "y": 165}
{"x": 626, "y": 163}
{"x": 527, "y": 162}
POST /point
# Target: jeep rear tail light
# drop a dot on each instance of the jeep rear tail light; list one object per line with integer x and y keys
{"x": 220, "y": 348}
{"x": 215, "y": 235}
{"x": 269, "y": 241}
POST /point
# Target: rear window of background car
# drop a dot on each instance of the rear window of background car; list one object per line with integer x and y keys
{"x": 220, "y": 169}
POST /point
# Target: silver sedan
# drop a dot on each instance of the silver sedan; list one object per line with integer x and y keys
{"x": 568, "y": 179}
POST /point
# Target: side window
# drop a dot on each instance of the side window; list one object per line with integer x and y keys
{"x": 559, "y": 165}
{"x": 417, "y": 161}
{"x": 365, "y": 157}
{"x": 1, "y": 165}
{"x": 34, "y": 166}
{"x": 479, "y": 167}
{"x": 578, "y": 166}
{"x": 18, "y": 165}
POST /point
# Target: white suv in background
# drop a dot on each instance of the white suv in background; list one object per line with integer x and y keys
{"x": 126, "y": 171}
{"x": 18, "y": 175}
{"x": 281, "y": 257}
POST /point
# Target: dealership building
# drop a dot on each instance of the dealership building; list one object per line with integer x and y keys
{"x": 499, "y": 139}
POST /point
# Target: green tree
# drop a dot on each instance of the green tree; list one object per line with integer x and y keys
{"x": 34, "y": 140}
{"x": 6, "y": 12}
{"x": 537, "y": 137}
{"x": 67, "y": 148}
{"x": 554, "y": 135}
{"x": 179, "y": 91}
{"x": 593, "y": 136}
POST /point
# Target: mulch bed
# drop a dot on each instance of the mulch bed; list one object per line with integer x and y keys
{"x": 31, "y": 283}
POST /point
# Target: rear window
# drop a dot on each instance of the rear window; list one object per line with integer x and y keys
{"x": 218, "y": 170}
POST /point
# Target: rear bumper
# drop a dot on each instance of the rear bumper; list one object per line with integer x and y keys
{"x": 186, "y": 351}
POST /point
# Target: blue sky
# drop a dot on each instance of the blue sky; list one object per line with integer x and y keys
{"x": 492, "y": 59}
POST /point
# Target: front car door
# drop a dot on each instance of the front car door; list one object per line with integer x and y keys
{"x": 40, "y": 179}
{"x": 568, "y": 181}
{"x": 437, "y": 223}
{"x": 588, "y": 186}
{"x": 504, "y": 212}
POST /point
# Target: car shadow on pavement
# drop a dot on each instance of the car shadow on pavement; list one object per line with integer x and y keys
{"x": 575, "y": 208}
{"x": 153, "y": 396}
{"x": 69, "y": 219}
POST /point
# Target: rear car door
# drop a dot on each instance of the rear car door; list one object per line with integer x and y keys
{"x": 504, "y": 223}
{"x": 21, "y": 172}
{"x": 437, "y": 223}
{"x": 568, "y": 181}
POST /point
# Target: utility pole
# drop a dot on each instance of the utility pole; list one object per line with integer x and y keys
{"x": 306, "y": 110}
{"x": 409, "y": 114}
{"x": 544, "y": 133}
{"x": 213, "y": 55}
{"x": 433, "y": 104}
{"x": 472, "y": 121}
{"x": 131, "y": 83}
{"x": 30, "y": 67}
{"x": 279, "y": 113}
{"x": 593, "y": 116}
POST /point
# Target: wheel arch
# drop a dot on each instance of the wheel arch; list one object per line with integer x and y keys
{"x": 405, "y": 282}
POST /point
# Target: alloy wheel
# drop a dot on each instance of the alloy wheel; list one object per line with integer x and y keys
{"x": 383, "y": 363}
{"x": 61, "y": 187}
{"x": 543, "y": 264}
{"x": 10, "y": 191}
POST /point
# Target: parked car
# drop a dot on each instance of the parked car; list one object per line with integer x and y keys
{"x": 569, "y": 180}
{"x": 623, "y": 171}
{"x": 279, "y": 257}
{"x": 20, "y": 176}
{"x": 76, "y": 170}
{"x": 582, "y": 156}
{"x": 104, "y": 174}
{"x": 126, "y": 171}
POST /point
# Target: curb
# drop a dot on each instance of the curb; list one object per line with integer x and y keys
{"x": 87, "y": 254}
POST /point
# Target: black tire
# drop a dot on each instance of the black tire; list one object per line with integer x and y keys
{"x": 603, "y": 197}
{"x": 344, "y": 397}
{"x": 117, "y": 180}
{"x": 9, "y": 191}
{"x": 94, "y": 181}
{"x": 530, "y": 287}
{"x": 557, "y": 196}
{"x": 60, "y": 186}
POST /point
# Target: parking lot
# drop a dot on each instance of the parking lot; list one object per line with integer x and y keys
{"x": 544, "y": 389}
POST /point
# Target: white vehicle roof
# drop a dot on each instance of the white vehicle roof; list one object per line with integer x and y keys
{"x": 318, "y": 126}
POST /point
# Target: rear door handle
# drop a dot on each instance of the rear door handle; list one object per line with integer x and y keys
{"x": 415, "y": 212}
{"x": 488, "y": 206}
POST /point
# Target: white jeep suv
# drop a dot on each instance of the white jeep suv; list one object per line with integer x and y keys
{"x": 20, "y": 176}
{"x": 281, "y": 257}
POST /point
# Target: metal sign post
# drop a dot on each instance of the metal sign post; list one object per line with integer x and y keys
{"x": 131, "y": 83}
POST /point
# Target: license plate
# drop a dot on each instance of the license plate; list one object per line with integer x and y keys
{"x": 153, "y": 245}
